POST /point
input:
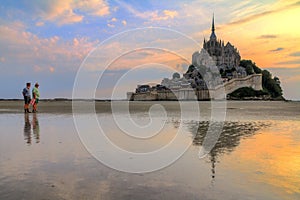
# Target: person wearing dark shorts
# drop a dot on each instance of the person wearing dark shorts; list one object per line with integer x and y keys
{"x": 27, "y": 98}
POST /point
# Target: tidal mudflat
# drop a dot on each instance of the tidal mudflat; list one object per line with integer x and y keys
{"x": 257, "y": 155}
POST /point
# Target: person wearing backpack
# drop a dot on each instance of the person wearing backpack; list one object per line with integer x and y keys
{"x": 27, "y": 98}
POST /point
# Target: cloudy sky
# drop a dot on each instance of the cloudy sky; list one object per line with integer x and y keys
{"x": 47, "y": 41}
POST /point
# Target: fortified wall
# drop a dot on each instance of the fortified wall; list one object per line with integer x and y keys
{"x": 254, "y": 81}
{"x": 220, "y": 92}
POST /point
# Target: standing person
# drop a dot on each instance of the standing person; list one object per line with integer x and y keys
{"x": 36, "y": 97}
{"x": 27, "y": 98}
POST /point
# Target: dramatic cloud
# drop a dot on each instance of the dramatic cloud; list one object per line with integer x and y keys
{"x": 170, "y": 13}
{"x": 113, "y": 19}
{"x": 111, "y": 25}
{"x": 295, "y": 54}
{"x": 26, "y": 49}
{"x": 93, "y": 7}
{"x": 39, "y": 23}
{"x": 276, "y": 50}
{"x": 267, "y": 36}
{"x": 68, "y": 18}
{"x": 290, "y": 62}
{"x": 242, "y": 9}
{"x": 149, "y": 15}
{"x": 67, "y": 11}
{"x": 255, "y": 16}
{"x": 166, "y": 14}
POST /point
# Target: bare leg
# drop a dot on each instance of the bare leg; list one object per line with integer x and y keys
{"x": 34, "y": 107}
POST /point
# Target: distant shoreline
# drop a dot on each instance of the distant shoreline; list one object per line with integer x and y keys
{"x": 109, "y": 100}
{"x": 66, "y": 99}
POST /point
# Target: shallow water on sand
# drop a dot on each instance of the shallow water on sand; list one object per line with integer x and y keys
{"x": 257, "y": 156}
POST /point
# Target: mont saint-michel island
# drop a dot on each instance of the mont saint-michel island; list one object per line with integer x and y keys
{"x": 149, "y": 100}
{"x": 216, "y": 72}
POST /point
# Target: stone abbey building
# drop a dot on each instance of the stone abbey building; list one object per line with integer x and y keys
{"x": 214, "y": 73}
{"x": 224, "y": 56}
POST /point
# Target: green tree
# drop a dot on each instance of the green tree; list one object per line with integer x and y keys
{"x": 249, "y": 70}
{"x": 272, "y": 85}
{"x": 191, "y": 68}
{"x": 276, "y": 79}
{"x": 247, "y": 92}
{"x": 250, "y": 67}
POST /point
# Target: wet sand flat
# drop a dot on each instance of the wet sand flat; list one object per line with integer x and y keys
{"x": 256, "y": 156}
{"x": 269, "y": 109}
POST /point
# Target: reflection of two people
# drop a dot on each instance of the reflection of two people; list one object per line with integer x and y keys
{"x": 35, "y": 128}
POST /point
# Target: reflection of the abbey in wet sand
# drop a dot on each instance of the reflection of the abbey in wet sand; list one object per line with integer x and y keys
{"x": 35, "y": 128}
{"x": 229, "y": 139}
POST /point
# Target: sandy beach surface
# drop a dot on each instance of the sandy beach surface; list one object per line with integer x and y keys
{"x": 43, "y": 156}
{"x": 263, "y": 109}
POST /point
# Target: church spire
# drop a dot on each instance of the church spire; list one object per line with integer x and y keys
{"x": 213, "y": 35}
{"x": 213, "y": 24}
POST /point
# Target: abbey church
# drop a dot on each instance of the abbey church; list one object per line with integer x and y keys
{"x": 224, "y": 56}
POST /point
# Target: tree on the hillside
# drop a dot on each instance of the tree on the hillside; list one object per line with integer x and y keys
{"x": 250, "y": 67}
{"x": 191, "y": 68}
{"x": 276, "y": 79}
{"x": 271, "y": 84}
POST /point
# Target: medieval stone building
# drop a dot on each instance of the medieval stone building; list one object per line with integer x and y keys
{"x": 214, "y": 72}
{"x": 224, "y": 56}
